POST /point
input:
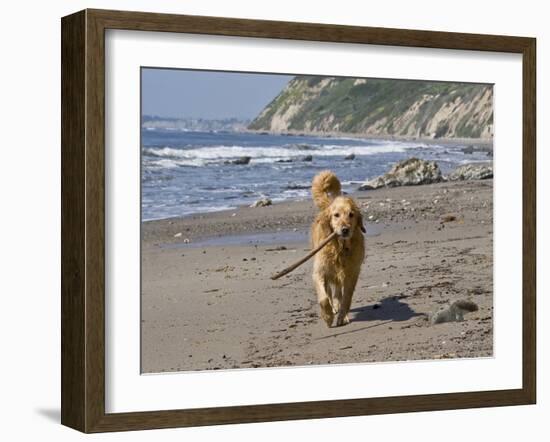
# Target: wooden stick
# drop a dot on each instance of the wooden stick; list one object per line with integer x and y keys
{"x": 305, "y": 258}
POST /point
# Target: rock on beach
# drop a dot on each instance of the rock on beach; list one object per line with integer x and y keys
{"x": 264, "y": 202}
{"x": 472, "y": 172}
{"x": 410, "y": 172}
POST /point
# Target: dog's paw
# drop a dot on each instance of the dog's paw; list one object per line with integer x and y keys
{"x": 327, "y": 317}
{"x": 342, "y": 320}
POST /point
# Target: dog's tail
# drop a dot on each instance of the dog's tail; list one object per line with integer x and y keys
{"x": 324, "y": 188}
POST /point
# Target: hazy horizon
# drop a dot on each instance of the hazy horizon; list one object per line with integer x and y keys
{"x": 210, "y": 95}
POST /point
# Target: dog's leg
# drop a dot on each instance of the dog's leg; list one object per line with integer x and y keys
{"x": 349, "y": 287}
{"x": 331, "y": 297}
{"x": 336, "y": 298}
{"x": 323, "y": 298}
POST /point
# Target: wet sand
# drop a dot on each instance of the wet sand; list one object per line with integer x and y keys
{"x": 208, "y": 302}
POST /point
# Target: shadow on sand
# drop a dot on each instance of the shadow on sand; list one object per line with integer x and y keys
{"x": 391, "y": 308}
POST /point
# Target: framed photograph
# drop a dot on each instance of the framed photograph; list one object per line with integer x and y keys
{"x": 268, "y": 221}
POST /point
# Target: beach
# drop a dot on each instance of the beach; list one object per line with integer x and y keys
{"x": 208, "y": 302}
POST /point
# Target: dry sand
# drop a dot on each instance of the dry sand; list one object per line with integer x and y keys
{"x": 209, "y": 303}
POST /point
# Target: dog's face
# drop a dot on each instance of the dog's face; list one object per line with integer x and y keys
{"x": 345, "y": 217}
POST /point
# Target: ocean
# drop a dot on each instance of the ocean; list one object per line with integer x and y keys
{"x": 185, "y": 173}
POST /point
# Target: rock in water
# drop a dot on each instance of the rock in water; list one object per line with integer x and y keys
{"x": 472, "y": 172}
{"x": 351, "y": 156}
{"x": 262, "y": 203}
{"x": 410, "y": 172}
{"x": 307, "y": 158}
{"x": 480, "y": 148}
{"x": 239, "y": 161}
{"x": 297, "y": 186}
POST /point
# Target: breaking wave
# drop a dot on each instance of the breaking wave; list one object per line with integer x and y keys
{"x": 167, "y": 157}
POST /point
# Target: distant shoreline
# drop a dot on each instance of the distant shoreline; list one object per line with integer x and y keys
{"x": 486, "y": 142}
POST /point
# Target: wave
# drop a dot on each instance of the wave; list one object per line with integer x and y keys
{"x": 168, "y": 163}
{"x": 182, "y": 211}
{"x": 200, "y": 156}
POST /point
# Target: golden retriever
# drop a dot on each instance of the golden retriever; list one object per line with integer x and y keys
{"x": 336, "y": 267}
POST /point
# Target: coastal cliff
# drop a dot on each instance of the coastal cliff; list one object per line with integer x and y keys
{"x": 376, "y": 107}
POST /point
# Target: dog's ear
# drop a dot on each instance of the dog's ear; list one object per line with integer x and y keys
{"x": 360, "y": 221}
{"x": 324, "y": 221}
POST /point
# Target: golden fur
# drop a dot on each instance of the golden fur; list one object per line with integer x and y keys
{"x": 336, "y": 267}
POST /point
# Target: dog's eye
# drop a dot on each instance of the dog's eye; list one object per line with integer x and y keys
{"x": 336, "y": 215}
{"x": 351, "y": 215}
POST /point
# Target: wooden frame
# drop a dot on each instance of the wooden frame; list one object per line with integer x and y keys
{"x": 83, "y": 220}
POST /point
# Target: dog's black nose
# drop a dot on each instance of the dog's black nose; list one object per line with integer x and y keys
{"x": 345, "y": 230}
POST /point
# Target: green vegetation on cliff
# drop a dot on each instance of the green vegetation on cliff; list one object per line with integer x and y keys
{"x": 380, "y": 107}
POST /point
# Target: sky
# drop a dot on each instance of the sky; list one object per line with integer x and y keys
{"x": 207, "y": 94}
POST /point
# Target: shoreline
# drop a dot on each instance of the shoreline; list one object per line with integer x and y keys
{"x": 356, "y": 193}
{"x": 275, "y": 218}
{"x": 486, "y": 142}
{"x": 209, "y": 304}
{"x": 478, "y": 142}
{"x": 266, "y": 178}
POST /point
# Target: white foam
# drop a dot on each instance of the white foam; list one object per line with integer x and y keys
{"x": 183, "y": 212}
{"x": 260, "y": 154}
{"x": 168, "y": 163}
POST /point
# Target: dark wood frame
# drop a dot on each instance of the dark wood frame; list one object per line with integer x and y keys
{"x": 83, "y": 220}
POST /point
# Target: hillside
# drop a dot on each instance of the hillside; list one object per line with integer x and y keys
{"x": 378, "y": 107}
